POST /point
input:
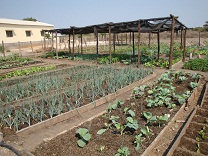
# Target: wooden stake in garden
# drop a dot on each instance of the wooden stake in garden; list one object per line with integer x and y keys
{"x": 44, "y": 42}
{"x": 19, "y": 48}
{"x": 3, "y": 48}
{"x": 184, "y": 46}
{"x": 149, "y": 40}
{"x": 31, "y": 46}
{"x": 110, "y": 44}
{"x": 69, "y": 44}
{"x": 52, "y": 41}
{"x": 158, "y": 45}
{"x": 181, "y": 39}
{"x": 139, "y": 33}
{"x": 56, "y": 46}
{"x": 171, "y": 42}
{"x": 73, "y": 44}
{"x": 114, "y": 42}
{"x": 133, "y": 44}
{"x": 199, "y": 38}
{"x": 81, "y": 44}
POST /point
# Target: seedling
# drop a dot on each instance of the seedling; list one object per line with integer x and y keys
{"x": 146, "y": 131}
{"x": 84, "y": 136}
{"x": 202, "y": 133}
{"x": 138, "y": 141}
{"x": 193, "y": 85}
{"x": 124, "y": 151}
{"x": 162, "y": 119}
{"x": 149, "y": 117}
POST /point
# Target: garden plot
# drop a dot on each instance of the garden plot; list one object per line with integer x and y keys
{"x": 15, "y": 60}
{"x": 48, "y": 95}
{"x": 195, "y": 139}
{"x": 128, "y": 127}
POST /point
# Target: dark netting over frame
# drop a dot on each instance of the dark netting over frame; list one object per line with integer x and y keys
{"x": 146, "y": 25}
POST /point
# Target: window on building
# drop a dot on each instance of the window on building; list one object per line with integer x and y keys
{"x": 42, "y": 33}
{"x": 9, "y": 33}
{"x": 28, "y": 33}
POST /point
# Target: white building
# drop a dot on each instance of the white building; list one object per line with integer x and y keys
{"x": 12, "y": 31}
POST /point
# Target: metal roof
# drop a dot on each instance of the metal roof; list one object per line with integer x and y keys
{"x": 23, "y": 22}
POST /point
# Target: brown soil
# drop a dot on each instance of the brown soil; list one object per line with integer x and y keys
{"x": 111, "y": 140}
{"x": 193, "y": 136}
{"x": 31, "y": 140}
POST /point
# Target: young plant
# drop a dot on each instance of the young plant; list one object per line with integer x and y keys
{"x": 149, "y": 117}
{"x": 193, "y": 85}
{"x": 131, "y": 123}
{"x": 163, "y": 119}
{"x": 138, "y": 141}
{"x": 116, "y": 104}
{"x": 181, "y": 79}
{"x": 202, "y": 133}
{"x": 124, "y": 151}
{"x": 84, "y": 136}
{"x": 146, "y": 131}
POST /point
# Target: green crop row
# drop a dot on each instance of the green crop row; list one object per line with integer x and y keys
{"x": 197, "y": 64}
{"x": 71, "y": 90}
{"x": 22, "y": 72}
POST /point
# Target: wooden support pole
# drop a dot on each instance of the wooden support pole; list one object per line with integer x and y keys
{"x": 19, "y": 48}
{"x": 158, "y": 45}
{"x": 73, "y": 45}
{"x": 199, "y": 38}
{"x": 31, "y": 46}
{"x": 56, "y": 46}
{"x": 81, "y": 44}
{"x": 114, "y": 42}
{"x": 184, "y": 46}
{"x": 149, "y": 44}
{"x": 97, "y": 42}
{"x": 121, "y": 39}
{"x": 126, "y": 38}
{"x": 51, "y": 41}
{"x": 139, "y": 35}
{"x": 130, "y": 38}
{"x": 110, "y": 44}
{"x": 44, "y": 42}
{"x": 69, "y": 44}
{"x": 133, "y": 44}
{"x": 117, "y": 38}
{"x": 3, "y": 48}
{"x": 171, "y": 42}
{"x": 181, "y": 39}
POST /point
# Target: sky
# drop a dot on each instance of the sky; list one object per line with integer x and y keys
{"x": 66, "y": 13}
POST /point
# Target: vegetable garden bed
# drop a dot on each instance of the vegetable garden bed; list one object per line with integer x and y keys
{"x": 193, "y": 140}
{"x": 128, "y": 127}
{"x": 51, "y": 94}
{"x": 15, "y": 60}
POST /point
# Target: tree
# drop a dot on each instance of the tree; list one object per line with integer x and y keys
{"x": 30, "y": 19}
{"x": 205, "y": 26}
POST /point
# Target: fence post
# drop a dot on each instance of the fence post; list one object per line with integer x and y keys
{"x": 3, "y": 49}
{"x": 19, "y": 48}
{"x": 31, "y": 45}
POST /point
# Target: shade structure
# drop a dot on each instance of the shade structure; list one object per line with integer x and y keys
{"x": 146, "y": 25}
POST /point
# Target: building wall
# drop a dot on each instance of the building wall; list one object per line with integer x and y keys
{"x": 19, "y": 33}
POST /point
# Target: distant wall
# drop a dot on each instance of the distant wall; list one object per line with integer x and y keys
{"x": 19, "y": 33}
